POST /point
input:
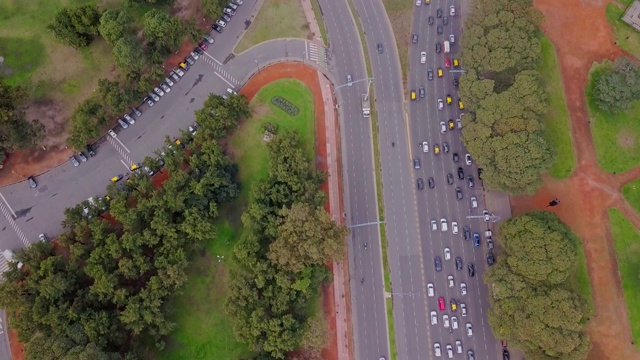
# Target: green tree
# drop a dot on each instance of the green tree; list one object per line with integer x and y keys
{"x": 129, "y": 55}
{"x": 85, "y": 123}
{"x": 15, "y": 131}
{"x": 306, "y": 236}
{"x": 76, "y": 26}
{"x": 214, "y": 118}
{"x": 114, "y": 25}
{"x": 193, "y": 31}
{"x": 618, "y": 86}
{"x": 162, "y": 29}
{"x": 212, "y": 8}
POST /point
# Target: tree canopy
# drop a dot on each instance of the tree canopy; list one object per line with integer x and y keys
{"x": 15, "y": 131}
{"x": 616, "y": 87}
{"x": 504, "y": 95}
{"x": 532, "y": 306}
{"x": 76, "y": 26}
{"x": 114, "y": 24}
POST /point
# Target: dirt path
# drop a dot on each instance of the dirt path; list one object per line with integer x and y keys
{"x": 309, "y": 76}
{"x": 589, "y": 192}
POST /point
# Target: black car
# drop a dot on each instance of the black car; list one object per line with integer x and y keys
{"x": 416, "y": 163}
{"x": 90, "y": 151}
{"x": 479, "y": 174}
{"x": 458, "y": 263}
{"x": 430, "y": 74}
{"x": 455, "y": 82}
{"x": 470, "y": 181}
{"x": 431, "y": 20}
{"x": 32, "y": 182}
{"x": 439, "y": 29}
{"x": 471, "y": 270}
{"x": 445, "y": 20}
{"x": 439, "y": 13}
{"x": 467, "y": 232}
{"x": 438, "y": 263}
{"x": 217, "y": 28}
{"x": 460, "y": 173}
{"x": 490, "y": 258}
{"x": 449, "y": 179}
{"x": 505, "y": 354}
{"x": 445, "y": 147}
{"x": 458, "y": 193}
{"x": 438, "y": 47}
{"x": 420, "y": 184}
{"x": 456, "y": 158}
{"x": 380, "y": 48}
{"x": 414, "y": 38}
{"x": 432, "y": 183}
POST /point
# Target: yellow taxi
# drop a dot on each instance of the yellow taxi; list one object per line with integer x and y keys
{"x": 413, "y": 94}
{"x": 460, "y": 104}
{"x": 183, "y": 65}
{"x": 449, "y": 100}
{"x": 135, "y": 167}
{"x": 452, "y": 125}
{"x": 436, "y": 149}
{"x": 455, "y": 63}
{"x": 116, "y": 178}
{"x": 440, "y": 72}
{"x": 427, "y": 2}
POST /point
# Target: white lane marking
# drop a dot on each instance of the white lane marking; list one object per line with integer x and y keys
{"x": 14, "y": 225}
{"x": 120, "y": 150}
{"x": 223, "y": 79}
{"x": 125, "y": 165}
{"x": 118, "y": 140}
{"x": 219, "y": 69}
{"x": 9, "y": 206}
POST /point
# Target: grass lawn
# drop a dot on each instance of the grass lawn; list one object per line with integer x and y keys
{"x": 203, "y": 328}
{"x": 556, "y": 120}
{"x": 631, "y": 192}
{"x": 616, "y": 137}
{"x": 399, "y": 13}
{"x": 626, "y": 240}
{"x": 626, "y": 37}
{"x": 271, "y": 24}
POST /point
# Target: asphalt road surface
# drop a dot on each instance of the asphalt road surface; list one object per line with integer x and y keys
{"x": 441, "y": 202}
{"x": 365, "y": 253}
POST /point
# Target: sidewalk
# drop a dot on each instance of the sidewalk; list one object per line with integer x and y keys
{"x": 313, "y": 22}
{"x": 340, "y": 292}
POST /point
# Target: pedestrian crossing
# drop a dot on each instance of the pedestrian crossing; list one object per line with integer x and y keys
{"x": 316, "y": 53}
{"x": 122, "y": 152}
{"x": 221, "y": 72}
{"x": 13, "y": 224}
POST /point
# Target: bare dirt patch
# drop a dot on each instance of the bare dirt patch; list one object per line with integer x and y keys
{"x": 626, "y": 140}
{"x": 50, "y": 114}
{"x": 260, "y": 110}
{"x": 588, "y": 193}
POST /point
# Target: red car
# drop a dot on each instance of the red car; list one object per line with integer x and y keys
{"x": 204, "y": 46}
{"x": 447, "y": 62}
{"x": 441, "y": 303}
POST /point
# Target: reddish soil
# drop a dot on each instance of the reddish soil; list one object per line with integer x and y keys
{"x": 17, "y": 348}
{"x": 589, "y": 192}
{"x": 309, "y": 76}
{"x": 22, "y": 164}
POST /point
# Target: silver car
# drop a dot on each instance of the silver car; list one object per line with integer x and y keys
{"x": 179, "y": 72}
{"x": 129, "y": 119}
{"x": 209, "y": 39}
{"x": 158, "y": 91}
{"x": 165, "y": 87}
{"x": 74, "y": 161}
{"x": 123, "y": 124}
{"x": 137, "y": 112}
{"x": 168, "y": 82}
{"x": 154, "y": 97}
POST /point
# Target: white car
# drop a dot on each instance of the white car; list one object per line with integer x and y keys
{"x": 349, "y": 80}
{"x": 459, "y": 123}
{"x": 129, "y": 119}
{"x": 486, "y": 216}
{"x": 440, "y": 105}
{"x": 450, "y": 281}
{"x": 447, "y": 254}
{"x": 418, "y": 2}
{"x": 454, "y": 228}
{"x": 445, "y": 321}
{"x": 463, "y": 309}
{"x": 423, "y": 57}
{"x": 165, "y": 87}
{"x": 449, "y": 351}
{"x": 154, "y": 96}
{"x": 194, "y": 55}
{"x": 463, "y": 289}
{"x": 425, "y": 146}
{"x": 221, "y": 22}
{"x": 454, "y": 322}
{"x": 434, "y": 225}
{"x": 112, "y": 133}
{"x": 434, "y": 318}
{"x": 452, "y": 38}
{"x": 443, "y": 225}
{"x": 467, "y": 159}
{"x": 158, "y": 91}
{"x": 431, "y": 291}
{"x": 469, "y": 328}
{"x": 443, "y": 127}
{"x": 436, "y": 349}
{"x": 474, "y": 202}
{"x": 168, "y": 82}
{"x": 452, "y": 10}
{"x": 459, "y": 346}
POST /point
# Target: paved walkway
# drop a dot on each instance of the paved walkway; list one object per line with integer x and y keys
{"x": 313, "y": 22}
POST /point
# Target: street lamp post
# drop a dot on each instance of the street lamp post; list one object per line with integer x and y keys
{"x": 258, "y": 66}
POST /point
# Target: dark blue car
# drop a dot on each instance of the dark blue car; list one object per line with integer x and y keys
{"x": 476, "y": 239}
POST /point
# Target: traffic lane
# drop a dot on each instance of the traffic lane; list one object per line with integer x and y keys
{"x": 5, "y": 351}
{"x": 369, "y": 286}
{"x": 343, "y": 39}
{"x": 226, "y": 42}
{"x": 257, "y": 57}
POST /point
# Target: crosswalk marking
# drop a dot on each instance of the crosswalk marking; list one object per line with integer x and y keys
{"x": 222, "y": 73}
{"x": 317, "y": 54}
{"x": 13, "y": 224}
{"x": 120, "y": 150}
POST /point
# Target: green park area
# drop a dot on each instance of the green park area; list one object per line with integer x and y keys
{"x": 616, "y": 136}
{"x": 626, "y": 241}
{"x": 556, "y": 120}
{"x": 203, "y": 328}
{"x": 626, "y": 37}
{"x": 276, "y": 19}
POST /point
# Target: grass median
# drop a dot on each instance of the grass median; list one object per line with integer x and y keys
{"x": 276, "y": 19}
{"x": 399, "y": 13}
{"x": 203, "y": 328}
{"x": 626, "y": 240}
